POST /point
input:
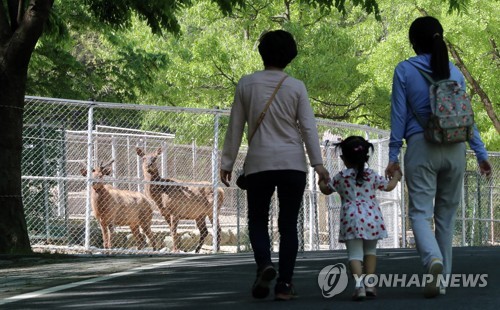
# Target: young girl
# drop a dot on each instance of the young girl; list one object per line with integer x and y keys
{"x": 361, "y": 222}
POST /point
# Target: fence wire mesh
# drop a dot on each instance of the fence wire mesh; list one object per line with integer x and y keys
{"x": 124, "y": 178}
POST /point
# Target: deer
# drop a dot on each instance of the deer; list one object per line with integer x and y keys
{"x": 116, "y": 207}
{"x": 176, "y": 201}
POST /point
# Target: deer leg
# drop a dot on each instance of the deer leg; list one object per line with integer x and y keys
{"x": 139, "y": 238}
{"x": 145, "y": 222}
{"x": 146, "y": 229}
{"x": 106, "y": 236}
{"x": 106, "y": 242}
{"x": 202, "y": 226}
{"x": 174, "y": 222}
{"x": 167, "y": 218}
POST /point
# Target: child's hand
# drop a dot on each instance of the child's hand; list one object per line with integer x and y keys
{"x": 398, "y": 175}
{"x": 324, "y": 188}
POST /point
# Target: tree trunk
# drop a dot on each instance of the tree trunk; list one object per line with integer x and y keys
{"x": 17, "y": 42}
{"x": 13, "y": 230}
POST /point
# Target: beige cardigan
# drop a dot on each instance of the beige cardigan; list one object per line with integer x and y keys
{"x": 278, "y": 143}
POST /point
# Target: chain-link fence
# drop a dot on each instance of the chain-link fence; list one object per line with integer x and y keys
{"x": 478, "y": 218}
{"x": 124, "y": 178}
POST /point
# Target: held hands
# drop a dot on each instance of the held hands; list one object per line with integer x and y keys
{"x": 323, "y": 174}
{"x": 323, "y": 179}
{"x": 324, "y": 188}
{"x": 393, "y": 170}
{"x": 397, "y": 175}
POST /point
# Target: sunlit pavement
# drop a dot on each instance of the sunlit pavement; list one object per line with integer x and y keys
{"x": 224, "y": 282}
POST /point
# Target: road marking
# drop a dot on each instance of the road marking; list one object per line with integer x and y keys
{"x": 95, "y": 280}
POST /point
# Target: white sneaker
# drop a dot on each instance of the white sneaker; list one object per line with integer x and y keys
{"x": 359, "y": 294}
{"x": 442, "y": 290}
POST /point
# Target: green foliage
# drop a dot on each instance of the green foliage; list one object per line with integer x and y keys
{"x": 158, "y": 14}
{"x": 461, "y": 29}
{"x": 346, "y": 56}
{"x": 370, "y": 6}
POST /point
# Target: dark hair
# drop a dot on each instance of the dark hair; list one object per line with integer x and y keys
{"x": 277, "y": 48}
{"x": 426, "y": 37}
{"x": 355, "y": 151}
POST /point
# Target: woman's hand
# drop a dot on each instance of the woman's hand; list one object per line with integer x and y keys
{"x": 323, "y": 174}
{"x": 485, "y": 168}
{"x": 392, "y": 168}
{"x": 225, "y": 176}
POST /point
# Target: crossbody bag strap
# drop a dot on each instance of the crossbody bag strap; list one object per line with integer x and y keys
{"x": 263, "y": 113}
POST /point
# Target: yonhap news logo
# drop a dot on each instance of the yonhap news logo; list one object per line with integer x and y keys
{"x": 421, "y": 280}
{"x": 333, "y": 280}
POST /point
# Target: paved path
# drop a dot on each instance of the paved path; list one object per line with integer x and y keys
{"x": 223, "y": 282}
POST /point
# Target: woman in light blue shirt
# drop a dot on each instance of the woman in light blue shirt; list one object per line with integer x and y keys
{"x": 433, "y": 172}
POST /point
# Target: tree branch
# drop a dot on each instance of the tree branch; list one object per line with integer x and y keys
{"x": 12, "y": 9}
{"x": 5, "y": 31}
{"x": 346, "y": 112}
{"x": 231, "y": 79}
{"x": 488, "y": 106}
{"x": 28, "y": 32}
{"x": 317, "y": 20}
{"x": 496, "y": 54}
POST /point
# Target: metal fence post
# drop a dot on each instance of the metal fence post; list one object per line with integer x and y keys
{"x": 329, "y": 200}
{"x": 164, "y": 160}
{"x": 193, "y": 159}
{"x": 90, "y": 150}
{"x": 492, "y": 214}
{"x": 313, "y": 211}
{"x": 463, "y": 213}
{"x": 113, "y": 157}
{"x": 138, "y": 169}
{"x": 215, "y": 182}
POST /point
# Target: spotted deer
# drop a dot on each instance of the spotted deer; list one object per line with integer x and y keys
{"x": 116, "y": 207}
{"x": 177, "y": 201}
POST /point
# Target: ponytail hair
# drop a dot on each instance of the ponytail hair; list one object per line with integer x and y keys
{"x": 355, "y": 151}
{"x": 426, "y": 37}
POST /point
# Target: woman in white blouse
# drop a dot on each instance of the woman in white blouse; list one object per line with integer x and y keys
{"x": 276, "y": 157}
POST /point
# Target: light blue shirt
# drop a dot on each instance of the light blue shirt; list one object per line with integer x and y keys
{"x": 409, "y": 85}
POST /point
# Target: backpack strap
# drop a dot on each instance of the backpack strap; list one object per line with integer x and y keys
{"x": 428, "y": 78}
{"x": 425, "y": 75}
